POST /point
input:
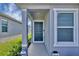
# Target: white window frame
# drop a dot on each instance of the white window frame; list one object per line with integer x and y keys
{"x": 75, "y": 27}
{"x": 2, "y": 25}
{"x": 33, "y": 31}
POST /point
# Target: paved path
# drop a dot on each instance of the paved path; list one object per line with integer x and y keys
{"x": 10, "y": 37}
{"x": 37, "y": 49}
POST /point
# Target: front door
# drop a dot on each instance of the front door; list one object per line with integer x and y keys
{"x": 38, "y": 32}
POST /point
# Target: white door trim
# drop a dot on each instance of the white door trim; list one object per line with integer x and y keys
{"x": 33, "y": 31}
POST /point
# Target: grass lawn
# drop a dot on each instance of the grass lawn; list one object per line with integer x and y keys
{"x": 12, "y": 47}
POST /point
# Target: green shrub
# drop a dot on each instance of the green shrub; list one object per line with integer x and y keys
{"x": 29, "y": 39}
{"x": 16, "y": 48}
{"x": 11, "y": 47}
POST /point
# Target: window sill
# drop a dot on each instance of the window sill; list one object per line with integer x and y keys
{"x": 65, "y": 44}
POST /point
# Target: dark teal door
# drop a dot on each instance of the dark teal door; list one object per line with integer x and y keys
{"x": 38, "y": 31}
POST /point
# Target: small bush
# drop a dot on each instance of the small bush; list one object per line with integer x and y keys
{"x": 11, "y": 47}
{"x": 16, "y": 49}
{"x": 29, "y": 39}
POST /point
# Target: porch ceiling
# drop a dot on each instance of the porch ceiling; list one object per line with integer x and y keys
{"x": 38, "y": 13}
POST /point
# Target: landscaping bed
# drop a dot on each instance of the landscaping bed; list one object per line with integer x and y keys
{"x": 12, "y": 47}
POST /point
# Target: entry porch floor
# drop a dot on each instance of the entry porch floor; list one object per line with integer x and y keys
{"x": 37, "y": 49}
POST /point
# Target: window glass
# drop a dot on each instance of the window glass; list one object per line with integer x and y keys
{"x": 4, "y": 25}
{"x": 38, "y": 31}
{"x": 65, "y": 34}
{"x": 65, "y": 19}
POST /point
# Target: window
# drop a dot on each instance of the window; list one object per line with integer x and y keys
{"x": 4, "y": 25}
{"x": 66, "y": 20}
{"x": 66, "y": 27}
{"x": 65, "y": 35}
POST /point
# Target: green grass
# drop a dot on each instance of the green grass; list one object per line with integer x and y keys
{"x": 12, "y": 47}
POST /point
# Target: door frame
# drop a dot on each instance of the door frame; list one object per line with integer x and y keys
{"x": 33, "y": 31}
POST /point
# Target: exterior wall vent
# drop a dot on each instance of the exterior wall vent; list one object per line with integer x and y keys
{"x": 55, "y": 53}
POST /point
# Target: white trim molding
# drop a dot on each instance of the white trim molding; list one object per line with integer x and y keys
{"x": 75, "y": 26}
{"x": 33, "y": 31}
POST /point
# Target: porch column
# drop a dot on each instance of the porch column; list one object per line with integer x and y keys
{"x": 51, "y": 29}
{"x": 24, "y": 51}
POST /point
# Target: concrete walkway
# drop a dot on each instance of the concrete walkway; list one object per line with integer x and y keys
{"x": 9, "y": 38}
{"x": 37, "y": 49}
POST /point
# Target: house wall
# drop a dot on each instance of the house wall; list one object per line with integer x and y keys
{"x": 49, "y": 28}
{"x": 63, "y": 50}
{"x": 14, "y": 28}
{"x": 47, "y": 33}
